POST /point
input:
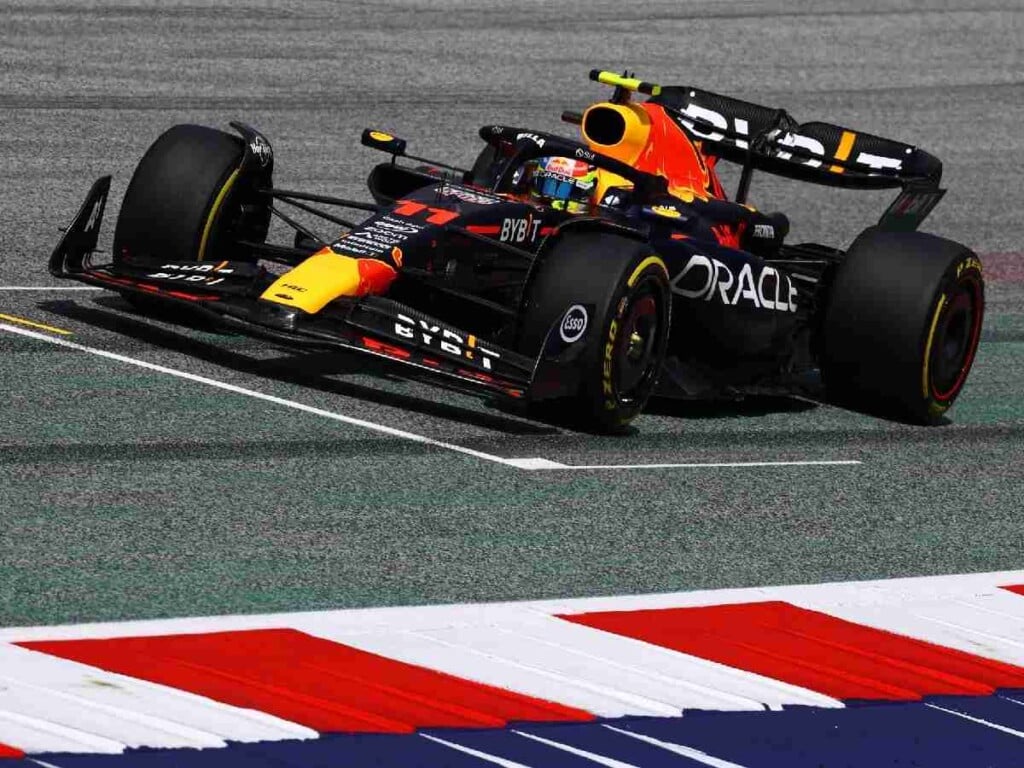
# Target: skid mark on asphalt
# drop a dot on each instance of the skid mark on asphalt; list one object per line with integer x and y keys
{"x": 528, "y": 464}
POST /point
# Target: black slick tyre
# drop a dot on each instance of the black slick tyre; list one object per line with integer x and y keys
{"x": 627, "y": 289}
{"x": 188, "y": 201}
{"x": 902, "y": 324}
{"x": 482, "y": 174}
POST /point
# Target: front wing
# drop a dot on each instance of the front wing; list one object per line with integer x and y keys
{"x": 227, "y": 294}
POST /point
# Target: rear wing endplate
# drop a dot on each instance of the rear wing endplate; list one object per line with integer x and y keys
{"x": 907, "y": 211}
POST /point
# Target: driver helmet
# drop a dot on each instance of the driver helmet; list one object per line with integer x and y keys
{"x": 563, "y": 182}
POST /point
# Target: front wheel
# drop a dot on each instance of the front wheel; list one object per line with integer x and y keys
{"x": 192, "y": 199}
{"x": 626, "y": 288}
{"x": 902, "y": 325}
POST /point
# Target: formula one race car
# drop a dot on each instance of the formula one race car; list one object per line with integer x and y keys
{"x": 588, "y": 275}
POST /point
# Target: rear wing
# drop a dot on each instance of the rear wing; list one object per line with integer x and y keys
{"x": 770, "y": 140}
{"x": 821, "y": 153}
{"x": 767, "y": 139}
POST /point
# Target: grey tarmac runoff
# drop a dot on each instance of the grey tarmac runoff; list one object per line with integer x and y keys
{"x": 148, "y": 470}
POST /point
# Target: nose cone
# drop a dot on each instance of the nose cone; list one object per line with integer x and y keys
{"x": 327, "y": 275}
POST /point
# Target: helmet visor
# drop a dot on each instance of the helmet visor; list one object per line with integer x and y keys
{"x": 554, "y": 187}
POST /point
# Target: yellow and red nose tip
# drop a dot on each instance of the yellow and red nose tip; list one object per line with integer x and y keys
{"x": 326, "y": 276}
{"x": 375, "y": 276}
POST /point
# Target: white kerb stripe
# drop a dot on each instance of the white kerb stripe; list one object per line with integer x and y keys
{"x": 130, "y": 727}
{"x": 32, "y": 734}
{"x": 689, "y": 682}
{"x": 136, "y": 713}
{"x": 840, "y": 599}
{"x": 521, "y": 659}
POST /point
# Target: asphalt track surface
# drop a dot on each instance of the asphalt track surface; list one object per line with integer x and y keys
{"x": 131, "y": 492}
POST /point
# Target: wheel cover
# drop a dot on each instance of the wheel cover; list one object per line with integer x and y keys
{"x": 635, "y": 358}
{"x": 955, "y": 342}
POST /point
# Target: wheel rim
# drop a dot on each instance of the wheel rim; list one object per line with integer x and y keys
{"x": 956, "y": 339}
{"x": 636, "y": 357}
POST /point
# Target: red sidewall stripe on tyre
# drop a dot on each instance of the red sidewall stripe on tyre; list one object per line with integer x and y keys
{"x": 977, "y": 311}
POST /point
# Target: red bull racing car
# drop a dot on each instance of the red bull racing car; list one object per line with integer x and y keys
{"x": 588, "y": 274}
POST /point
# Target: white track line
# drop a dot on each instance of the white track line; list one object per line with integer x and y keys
{"x": 680, "y": 749}
{"x": 476, "y": 753}
{"x": 609, "y": 762}
{"x": 979, "y": 721}
{"x": 528, "y": 464}
{"x": 49, "y": 288}
{"x": 258, "y": 395}
{"x": 696, "y": 465}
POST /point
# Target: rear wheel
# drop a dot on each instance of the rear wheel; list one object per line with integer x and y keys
{"x": 189, "y": 200}
{"x": 622, "y": 293}
{"x": 902, "y": 325}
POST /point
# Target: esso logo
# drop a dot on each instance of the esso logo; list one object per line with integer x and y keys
{"x": 574, "y": 324}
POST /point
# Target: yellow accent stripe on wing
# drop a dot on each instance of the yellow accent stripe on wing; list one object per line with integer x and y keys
{"x": 644, "y": 265}
{"x": 23, "y": 321}
{"x": 925, "y": 389}
{"x": 843, "y": 151}
{"x": 213, "y": 212}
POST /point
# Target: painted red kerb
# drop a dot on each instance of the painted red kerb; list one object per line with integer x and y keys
{"x": 839, "y": 658}
{"x": 324, "y": 685}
